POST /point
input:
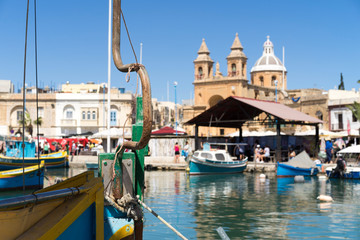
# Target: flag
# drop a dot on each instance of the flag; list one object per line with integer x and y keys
{"x": 348, "y": 127}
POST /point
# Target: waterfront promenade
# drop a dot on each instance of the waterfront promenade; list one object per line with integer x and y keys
{"x": 167, "y": 163}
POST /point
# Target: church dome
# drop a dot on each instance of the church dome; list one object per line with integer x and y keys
{"x": 268, "y": 61}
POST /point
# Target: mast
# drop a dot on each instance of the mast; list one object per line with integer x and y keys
{"x": 109, "y": 78}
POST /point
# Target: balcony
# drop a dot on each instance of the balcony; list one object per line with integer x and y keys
{"x": 337, "y": 127}
{"x": 68, "y": 123}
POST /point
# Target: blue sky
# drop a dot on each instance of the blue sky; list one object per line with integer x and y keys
{"x": 321, "y": 40}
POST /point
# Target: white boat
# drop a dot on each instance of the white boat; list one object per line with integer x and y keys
{"x": 215, "y": 162}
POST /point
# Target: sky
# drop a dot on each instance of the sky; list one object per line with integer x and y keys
{"x": 321, "y": 40}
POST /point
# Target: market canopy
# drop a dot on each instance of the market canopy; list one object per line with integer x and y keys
{"x": 168, "y": 131}
{"x": 234, "y": 111}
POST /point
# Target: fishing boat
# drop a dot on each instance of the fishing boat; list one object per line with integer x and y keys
{"x": 348, "y": 173}
{"x": 32, "y": 177}
{"x": 14, "y": 156}
{"x": 300, "y": 165}
{"x": 215, "y": 161}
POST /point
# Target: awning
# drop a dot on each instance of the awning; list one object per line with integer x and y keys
{"x": 234, "y": 111}
{"x": 167, "y": 131}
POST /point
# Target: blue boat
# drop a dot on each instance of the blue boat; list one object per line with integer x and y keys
{"x": 33, "y": 177}
{"x": 301, "y": 165}
{"x": 14, "y": 156}
{"x": 215, "y": 162}
{"x": 285, "y": 170}
{"x": 349, "y": 173}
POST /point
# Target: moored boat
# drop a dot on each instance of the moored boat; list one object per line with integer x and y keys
{"x": 32, "y": 177}
{"x": 14, "y": 157}
{"x": 301, "y": 164}
{"x": 348, "y": 173}
{"x": 215, "y": 162}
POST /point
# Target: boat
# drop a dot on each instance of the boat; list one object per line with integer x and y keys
{"x": 215, "y": 161}
{"x": 349, "y": 173}
{"x": 72, "y": 209}
{"x": 32, "y": 177}
{"x": 14, "y": 156}
{"x": 300, "y": 165}
{"x": 92, "y": 165}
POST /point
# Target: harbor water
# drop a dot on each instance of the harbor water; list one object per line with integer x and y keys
{"x": 245, "y": 206}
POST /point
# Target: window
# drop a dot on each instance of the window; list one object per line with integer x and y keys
{"x": 201, "y": 73}
{"x": 319, "y": 115}
{"x": 222, "y": 131}
{"x": 83, "y": 115}
{"x": 93, "y": 115}
{"x": 353, "y": 118}
{"x": 113, "y": 118}
{"x": 262, "y": 81}
{"x": 220, "y": 156}
{"x": 273, "y": 79}
{"x": 233, "y": 69}
{"x": 88, "y": 115}
{"x": 243, "y": 69}
{"x": 19, "y": 115}
{"x": 206, "y": 155}
{"x": 69, "y": 114}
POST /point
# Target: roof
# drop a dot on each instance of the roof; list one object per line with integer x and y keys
{"x": 268, "y": 61}
{"x": 167, "y": 131}
{"x": 234, "y": 111}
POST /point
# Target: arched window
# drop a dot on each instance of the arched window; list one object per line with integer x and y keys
{"x": 243, "y": 69}
{"x": 233, "y": 69}
{"x": 88, "y": 115}
{"x": 261, "y": 81}
{"x": 83, "y": 115}
{"x": 200, "y": 73}
{"x": 273, "y": 79}
{"x": 93, "y": 115}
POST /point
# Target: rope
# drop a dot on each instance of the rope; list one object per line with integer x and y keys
{"x": 160, "y": 218}
{"x": 127, "y": 31}
{"x": 23, "y": 116}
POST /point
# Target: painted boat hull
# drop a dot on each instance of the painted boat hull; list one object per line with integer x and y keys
{"x": 33, "y": 177}
{"x": 350, "y": 173}
{"x": 51, "y": 161}
{"x": 198, "y": 167}
{"x": 284, "y": 170}
{"x": 80, "y": 214}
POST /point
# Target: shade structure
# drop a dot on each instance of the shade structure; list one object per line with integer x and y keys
{"x": 234, "y": 111}
{"x": 167, "y": 131}
{"x": 114, "y": 133}
{"x": 351, "y": 149}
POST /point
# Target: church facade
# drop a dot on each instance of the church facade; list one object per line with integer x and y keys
{"x": 268, "y": 82}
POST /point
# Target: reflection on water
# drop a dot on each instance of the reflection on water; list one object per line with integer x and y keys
{"x": 248, "y": 207}
{"x": 244, "y": 205}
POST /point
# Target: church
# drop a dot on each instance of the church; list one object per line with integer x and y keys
{"x": 268, "y": 82}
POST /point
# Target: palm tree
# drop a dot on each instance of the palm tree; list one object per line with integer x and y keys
{"x": 28, "y": 122}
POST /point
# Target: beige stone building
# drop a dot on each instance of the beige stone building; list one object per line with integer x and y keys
{"x": 268, "y": 82}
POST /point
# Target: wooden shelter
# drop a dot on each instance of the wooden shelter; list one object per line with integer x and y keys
{"x": 233, "y": 112}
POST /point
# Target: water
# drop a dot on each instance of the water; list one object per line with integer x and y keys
{"x": 245, "y": 206}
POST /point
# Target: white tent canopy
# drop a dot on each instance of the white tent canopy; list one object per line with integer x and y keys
{"x": 351, "y": 149}
{"x": 114, "y": 133}
{"x": 254, "y": 133}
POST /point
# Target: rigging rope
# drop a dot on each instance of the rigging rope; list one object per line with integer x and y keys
{"x": 23, "y": 115}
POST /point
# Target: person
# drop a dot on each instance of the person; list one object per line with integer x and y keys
{"x": 292, "y": 153}
{"x": 57, "y": 147}
{"x": 340, "y": 167}
{"x": 73, "y": 148}
{"x": 266, "y": 154}
{"x": 239, "y": 152}
{"x": 46, "y": 148}
{"x": 329, "y": 151}
{"x": 186, "y": 150}
{"x": 258, "y": 154}
{"x": 177, "y": 152}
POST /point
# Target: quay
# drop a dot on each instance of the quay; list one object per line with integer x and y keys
{"x": 167, "y": 163}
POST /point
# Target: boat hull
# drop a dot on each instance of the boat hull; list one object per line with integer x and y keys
{"x": 284, "y": 170}
{"x": 32, "y": 177}
{"x": 73, "y": 209}
{"x": 350, "y": 173}
{"x": 198, "y": 167}
{"x": 51, "y": 161}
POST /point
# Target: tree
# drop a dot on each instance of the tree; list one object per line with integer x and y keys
{"x": 27, "y": 122}
{"x": 355, "y": 109}
{"x": 341, "y": 85}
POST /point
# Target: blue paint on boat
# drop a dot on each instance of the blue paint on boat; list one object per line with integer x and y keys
{"x": 84, "y": 227}
{"x": 350, "y": 173}
{"x": 32, "y": 177}
{"x": 114, "y": 220}
{"x": 284, "y": 170}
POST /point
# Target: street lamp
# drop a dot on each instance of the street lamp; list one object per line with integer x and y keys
{"x": 175, "y": 84}
{"x": 276, "y": 83}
